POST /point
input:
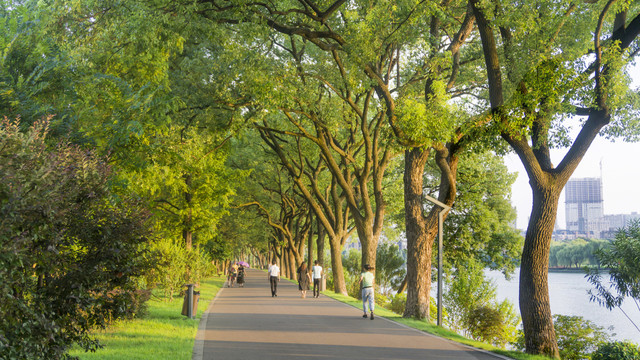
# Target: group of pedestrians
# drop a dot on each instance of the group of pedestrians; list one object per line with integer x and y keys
{"x": 367, "y": 282}
{"x": 235, "y": 275}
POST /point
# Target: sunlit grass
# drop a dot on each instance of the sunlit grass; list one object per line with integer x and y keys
{"x": 162, "y": 334}
{"x": 431, "y": 328}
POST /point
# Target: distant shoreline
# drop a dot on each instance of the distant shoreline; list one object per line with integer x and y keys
{"x": 572, "y": 270}
{"x": 569, "y": 270}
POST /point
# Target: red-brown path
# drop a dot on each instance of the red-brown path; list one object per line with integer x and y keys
{"x": 248, "y": 323}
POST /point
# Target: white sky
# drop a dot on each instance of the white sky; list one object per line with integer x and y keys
{"x": 620, "y": 175}
{"x": 620, "y": 179}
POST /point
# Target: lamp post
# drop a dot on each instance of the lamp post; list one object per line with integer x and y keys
{"x": 445, "y": 208}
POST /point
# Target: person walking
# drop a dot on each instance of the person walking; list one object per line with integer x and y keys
{"x": 316, "y": 272}
{"x": 303, "y": 279}
{"x": 274, "y": 277}
{"x": 367, "y": 280}
{"x": 232, "y": 273}
{"x": 240, "y": 276}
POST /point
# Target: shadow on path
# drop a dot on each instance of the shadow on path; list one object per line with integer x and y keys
{"x": 247, "y": 323}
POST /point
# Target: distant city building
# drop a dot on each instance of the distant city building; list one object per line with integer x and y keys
{"x": 585, "y": 215}
{"x": 615, "y": 222}
{"x": 584, "y": 207}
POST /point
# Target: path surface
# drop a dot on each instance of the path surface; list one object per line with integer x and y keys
{"x": 247, "y": 323}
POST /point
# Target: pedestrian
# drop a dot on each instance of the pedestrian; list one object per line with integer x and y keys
{"x": 231, "y": 275}
{"x": 316, "y": 272}
{"x": 240, "y": 276}
{"x": 274, "y": 277}
{"x": 367, "y": 280}
{"x": 303, "y": 279}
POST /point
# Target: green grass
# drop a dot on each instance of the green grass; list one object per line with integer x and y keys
{"x": 430, "y": 328}
{"x": 162, "y": 334}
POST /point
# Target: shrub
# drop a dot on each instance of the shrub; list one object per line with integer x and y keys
{"x": 397, "y": 303}
{"x": 70, "y": 250}
{"x": 616, "y": 350}
{"x": 577, "y": 337}
{"x": 486, "y": 324}
{"x": 178, "y": 266}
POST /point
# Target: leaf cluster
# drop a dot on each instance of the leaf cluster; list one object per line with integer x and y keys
{"x": 71, "y": 251}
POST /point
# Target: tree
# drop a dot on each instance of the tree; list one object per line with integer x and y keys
{"x": 187, "y": 184}
{"x": 621, "y": 261}
{"x": 389, "y": 267}
{"x": 578, "y": 73}
{"x": 480, "y": 225}
{"x": 71, "y": 249}
{"x": 472, "y": 308}
{"x": 360, "y": 60}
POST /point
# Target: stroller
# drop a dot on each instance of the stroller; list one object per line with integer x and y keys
{"x": 240, "y": 276}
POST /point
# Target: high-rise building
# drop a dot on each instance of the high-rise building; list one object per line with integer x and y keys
{"x": 584, "y": 207}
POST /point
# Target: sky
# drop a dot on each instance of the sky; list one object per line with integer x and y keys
{"x": 620, "y": 179}
{"x": 620, "y": 175}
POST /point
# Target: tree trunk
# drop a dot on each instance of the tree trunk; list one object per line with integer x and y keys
{"x": 419, "y": 244}
{"x": 422, "y": 230}
{"x": 293, "y": 265}
{"x": 537, "y": 321}
{"x": 339, "y": 285}
{"x": 368, "y": 241}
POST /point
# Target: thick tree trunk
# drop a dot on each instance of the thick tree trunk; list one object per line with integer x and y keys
{"x": 339, "y": 285}
{"x": 422, "y": 230}
{"x": 419, "y": 244}
{"x": 368, "y": 241}
{"x": 284, "y": 267}
{"x": 293, "y": 265}
{"x": 537, "y": 321}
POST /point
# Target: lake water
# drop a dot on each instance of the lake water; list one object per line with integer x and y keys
{"x": 568, "y": 296}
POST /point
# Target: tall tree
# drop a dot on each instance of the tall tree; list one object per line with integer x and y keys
{"x": 577, "y": 72}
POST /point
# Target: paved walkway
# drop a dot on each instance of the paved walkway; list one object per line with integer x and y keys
{"x": 247, "y": 323}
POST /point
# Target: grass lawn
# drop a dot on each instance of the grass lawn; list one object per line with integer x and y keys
{"x": 162, "y": 334}
{"x": 430, "y": 328}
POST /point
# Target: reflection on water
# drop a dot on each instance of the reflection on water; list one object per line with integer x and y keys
{"x": 568, "y": 296}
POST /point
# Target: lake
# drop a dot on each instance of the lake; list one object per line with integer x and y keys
{"x": 568, "y": 296}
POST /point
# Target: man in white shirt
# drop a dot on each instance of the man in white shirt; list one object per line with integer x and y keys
{"x": 316, "y": 271}
{"x": 274, "y": 277}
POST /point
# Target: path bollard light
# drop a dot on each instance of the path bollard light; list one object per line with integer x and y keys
{"x": 190, "y": 304}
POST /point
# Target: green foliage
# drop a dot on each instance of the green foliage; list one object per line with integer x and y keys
{"x": 34, "y": 71}
{"x": 473, "y": 310}
{"x": 616, "y": 350}
{"x": 178, "y": 266}
{"x": 352, "y": 270}
{"x": 480, "y": 225}
{"x": 577, "y": 337}
{"x": 576, "y": 253}
{"x": 487, "y": 324}
{"x": 187, "y": 184}
{"x": 71, "y": 251}
{"x": 398, "y": 302}
{"x": 390, "y": 270}
{"x": 622, "y": 259}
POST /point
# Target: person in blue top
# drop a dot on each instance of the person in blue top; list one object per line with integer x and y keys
{"x": 367, "y": 280}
